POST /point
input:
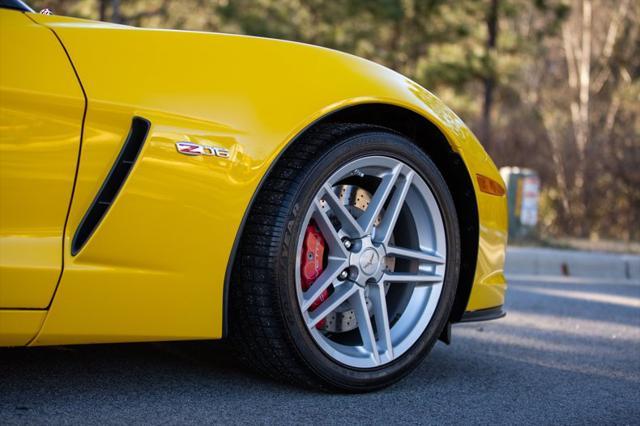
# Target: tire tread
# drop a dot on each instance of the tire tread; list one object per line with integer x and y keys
{"x": 257, "y": 327}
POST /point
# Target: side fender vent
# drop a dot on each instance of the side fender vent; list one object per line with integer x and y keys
{"x": 113, "y": 183}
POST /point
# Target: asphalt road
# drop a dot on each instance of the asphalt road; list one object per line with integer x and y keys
{"x": 568, "y": 352}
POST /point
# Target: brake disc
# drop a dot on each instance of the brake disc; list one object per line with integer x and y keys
{"x": 356, "y": 200}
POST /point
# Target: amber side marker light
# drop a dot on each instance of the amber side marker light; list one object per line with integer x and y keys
{"x": 490, "y": 186}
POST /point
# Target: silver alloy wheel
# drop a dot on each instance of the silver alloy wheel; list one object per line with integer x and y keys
{"x": 402, "y": 221}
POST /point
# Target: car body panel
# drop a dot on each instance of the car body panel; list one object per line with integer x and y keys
{"x": 489, "y": 285}
{"x": 19, "y": 327}
{"x": 40, "y": 123}
{"x": 155, "y": 267}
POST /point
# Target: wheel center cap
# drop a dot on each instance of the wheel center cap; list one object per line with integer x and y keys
{"x": 369, "y": 261}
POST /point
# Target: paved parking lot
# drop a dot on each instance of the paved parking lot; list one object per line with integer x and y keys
{"x": 568, "y": 352}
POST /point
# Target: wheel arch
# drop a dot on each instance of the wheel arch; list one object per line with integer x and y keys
{"x": 435, "y": 144}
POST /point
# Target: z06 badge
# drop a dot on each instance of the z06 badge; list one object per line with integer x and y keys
{"x": 189, "y": 148}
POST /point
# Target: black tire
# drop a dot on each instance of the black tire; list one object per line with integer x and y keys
{"x": 265, "y": 321}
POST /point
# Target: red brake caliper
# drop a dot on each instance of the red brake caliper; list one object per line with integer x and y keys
{"x": 312, "y": 264}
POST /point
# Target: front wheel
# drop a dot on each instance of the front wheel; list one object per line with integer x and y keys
{"x": 348, "y": 265}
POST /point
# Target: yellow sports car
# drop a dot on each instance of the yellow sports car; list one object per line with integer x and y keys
{"x": 328, "y": 215}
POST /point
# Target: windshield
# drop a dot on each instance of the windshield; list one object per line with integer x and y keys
{"x": 15, "y": 4}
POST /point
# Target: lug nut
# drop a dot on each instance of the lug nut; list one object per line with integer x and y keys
{"x": 347, "y": 243}
{"x": 343, "y": 275}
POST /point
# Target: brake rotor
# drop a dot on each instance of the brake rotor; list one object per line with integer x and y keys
{"x": 343, "y": 318}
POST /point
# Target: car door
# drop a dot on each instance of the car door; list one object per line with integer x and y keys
{"x": 41, "y": 110}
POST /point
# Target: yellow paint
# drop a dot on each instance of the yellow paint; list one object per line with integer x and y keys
{"x": 17, "y": 328}
{"x": 490, "y": 285}
{"x": 155, "y": 267}
{"x": 41, "y": 106}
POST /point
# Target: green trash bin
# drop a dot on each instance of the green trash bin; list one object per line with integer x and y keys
{"x": 523, "y": 194}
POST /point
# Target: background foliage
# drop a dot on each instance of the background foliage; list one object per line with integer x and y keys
{"x": 548, "y": 84}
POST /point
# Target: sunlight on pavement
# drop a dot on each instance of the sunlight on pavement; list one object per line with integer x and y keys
{"x": 555, "y": 279}
{"x": 504, "y": 337}
{"x": 633, "y": 302}
{"x": 574, "y": 367}
{"x": 571, "y": 326}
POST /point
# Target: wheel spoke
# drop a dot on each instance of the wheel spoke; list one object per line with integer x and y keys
{"x": 376, "y": 204}
{"x": 336, "y": 248}
{"x": 326, "y": 278}
{"x": 414, "y": 255}
{"x": 381, "y": 316}
{"x": 348, "y": 222}
{"x": 341, "y": 293}
{"x": 388, "y": 223}
{"x": 359, "y": 304}
{"x": 420, "y": 279}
